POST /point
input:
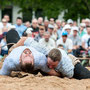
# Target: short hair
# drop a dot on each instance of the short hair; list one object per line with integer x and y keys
{"x": 55, "y": 54}
{"x": 19, "y": 18}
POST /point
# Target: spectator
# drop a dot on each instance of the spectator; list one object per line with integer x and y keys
{"x": 27, "y": 24}
{"x": 76, "y": 41}
{"x": 66, "y": 42}
{"x": 51, "y": 31}
{"x": 86, "y": 39}
{"x": 20, "y": 28}
{"x": 68, "y": 29}
{"x": 82, "y": 30}
{"x": 35, "y": 27}
{"x": 70, "y": 22}
{"x": 52, "y": 21}
{"x": 40, "y": 21}
{"x": 4, "y": 24}
{"x": 46, "y": 23}
{"x": 40, "y": 34}
{"x": 47, "y": 41}
{"x": 4, "y": 48}
{"x": 59, "y": 29}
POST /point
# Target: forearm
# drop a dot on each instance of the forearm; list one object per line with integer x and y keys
{"x": 54, "y": 73}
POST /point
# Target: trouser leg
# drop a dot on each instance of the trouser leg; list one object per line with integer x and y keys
{"x": 81, "y": 72}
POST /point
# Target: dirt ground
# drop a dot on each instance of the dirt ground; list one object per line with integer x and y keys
{"x": 40, "y": 82}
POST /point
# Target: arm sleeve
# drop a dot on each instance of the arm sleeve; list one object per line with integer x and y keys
{"x": 7, "y": 68}
{"x": 65, "y": 66}
{"x": 43, "y": 64}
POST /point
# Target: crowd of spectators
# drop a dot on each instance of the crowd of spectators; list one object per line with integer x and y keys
{"x": 51, "y": 33}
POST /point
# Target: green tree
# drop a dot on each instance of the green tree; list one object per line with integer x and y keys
{"x": 52, "y": 8}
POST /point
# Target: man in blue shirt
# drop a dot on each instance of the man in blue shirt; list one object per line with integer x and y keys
{"x": 19, "y": 27}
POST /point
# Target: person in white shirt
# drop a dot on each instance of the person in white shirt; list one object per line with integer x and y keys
{"x": 47, "y": 41}
{"x": 86, "y": 40}
{"x": 66, "y": 42}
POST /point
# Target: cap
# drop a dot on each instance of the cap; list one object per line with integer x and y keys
{"x": 50, "y": 26}
{"x": 64, "y": 33}
{"x": 75, "y": 28}
{"x": 70, "y": 21}
{"x": 67, "y": 26}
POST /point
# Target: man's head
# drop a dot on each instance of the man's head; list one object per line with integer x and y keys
{"x": 54, "y": 58}
{"x": 4, "y": 21}
{"x": 75, "y": 31}
{"x": 50, "y": 28}
{"x": 19, "y": 21}
{"x": 41, "y": 30}
{"x": 27, "y": 61}
{"x": 52, "y": 21}
{"x": 6, "y": 17}
{"x": 27, "y": 24}
{"x": 34, "y": 23}
{"x": 40, "y": 20}
{"x": 64, "y": 36}
{"x": 46, "y": 36}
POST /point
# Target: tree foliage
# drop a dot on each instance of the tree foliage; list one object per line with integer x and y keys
{"x": 52, "y": 8}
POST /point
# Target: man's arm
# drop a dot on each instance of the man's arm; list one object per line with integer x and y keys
{"x": 54, "y": 73}
{"x": 7, "y": 67}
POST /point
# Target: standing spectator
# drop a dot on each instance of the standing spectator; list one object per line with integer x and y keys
{"x": 47, "y": 41}
{"x": 76, "y": 41}
{"x": 67, "y": 43}
{"x": 20, "y": 28}
{"x": 40, "y": 34}
{"x": 35, "y": 27}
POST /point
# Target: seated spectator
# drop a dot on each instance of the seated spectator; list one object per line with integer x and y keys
{"x": 82, "y": 30}
{"x": 86, "y": 40}
{"x": 3, "y": 44}
{"x": 4, "y": 24}
{"x": 35, "y": 27}
{"x": 76, "y": 41}
{"x": 40, "y": 34}
{"x": 27, "y": 24}
{"x": 47, "y": 41}
{"x": 20, "y": 28}
{"x": 70, "y": 22}
{"x": 68, "y": 29}
{"x": 40, "y": 21}
{"x": 51, "y": 31}
{"x": 46, "y": 23}
{"x": 66, "y": 42}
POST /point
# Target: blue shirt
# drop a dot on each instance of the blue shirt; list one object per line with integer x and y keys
{"x": 11, "y": 62}
{"x": 20, "y": 29}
